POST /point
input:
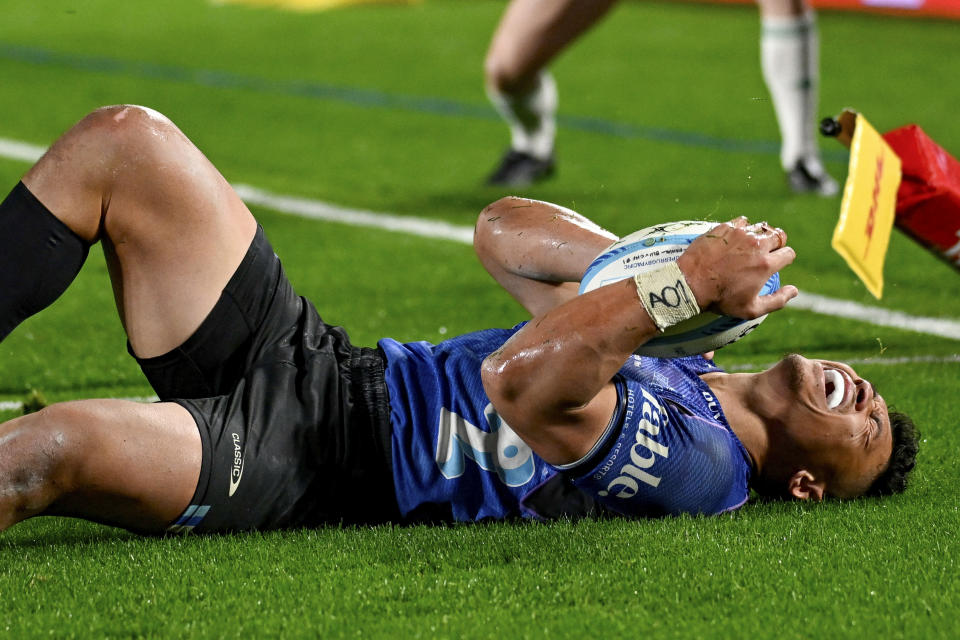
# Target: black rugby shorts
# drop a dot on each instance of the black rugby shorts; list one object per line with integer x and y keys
{"x": 294, "y": 420}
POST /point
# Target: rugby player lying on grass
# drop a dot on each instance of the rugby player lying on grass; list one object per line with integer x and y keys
{"x": 270, "y": 418}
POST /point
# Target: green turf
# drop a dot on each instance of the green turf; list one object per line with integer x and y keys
{"x": 854, "y": 569}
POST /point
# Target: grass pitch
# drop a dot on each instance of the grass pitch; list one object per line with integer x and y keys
{"x": 664, "y": 116}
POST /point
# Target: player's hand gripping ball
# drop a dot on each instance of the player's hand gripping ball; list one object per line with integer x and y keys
{"x": 650, "y": 248}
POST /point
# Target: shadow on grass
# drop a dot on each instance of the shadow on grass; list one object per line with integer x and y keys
{"x": 47, "y": 532}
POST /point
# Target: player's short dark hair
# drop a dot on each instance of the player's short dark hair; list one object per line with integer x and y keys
{"x": 903, "y": 457}
{"x": 893, "y": 479}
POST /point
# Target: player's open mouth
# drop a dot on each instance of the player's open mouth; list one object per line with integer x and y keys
{"x": 835, "y": 387}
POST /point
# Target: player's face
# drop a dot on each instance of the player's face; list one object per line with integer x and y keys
{"x": 834, "y": 417}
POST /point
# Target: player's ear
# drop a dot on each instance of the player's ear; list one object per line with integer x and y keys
{"x": 803, "y": 485}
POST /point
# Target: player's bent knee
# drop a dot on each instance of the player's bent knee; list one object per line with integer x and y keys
{"x": 124, "y": 129}
{"x": 504, "y": 77}
{"x": 126, "y": 116}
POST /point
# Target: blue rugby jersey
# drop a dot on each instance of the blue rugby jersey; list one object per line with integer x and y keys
{"x": 668, "y": 450}
{"x": 671, "y": 450}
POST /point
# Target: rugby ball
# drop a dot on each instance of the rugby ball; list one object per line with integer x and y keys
{"x": 649, "y": 248}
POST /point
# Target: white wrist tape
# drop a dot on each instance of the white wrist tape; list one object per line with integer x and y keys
{"x": 665, "y": 295}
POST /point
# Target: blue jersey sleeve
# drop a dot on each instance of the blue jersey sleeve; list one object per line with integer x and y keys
{"x": 659, "y": 457}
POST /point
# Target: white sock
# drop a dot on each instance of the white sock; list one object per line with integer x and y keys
{"x": 531, "y": 117}
{"x": 789, "y": 57}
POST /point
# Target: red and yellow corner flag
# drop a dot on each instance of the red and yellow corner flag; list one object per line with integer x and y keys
{"x": 869, "y": 200}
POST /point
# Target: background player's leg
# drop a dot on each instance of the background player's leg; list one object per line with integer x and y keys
{"x": 173, "y": 229}
{"x": 112, "y": 461}
{"x": 530, "y": 34}
{"x": 789, "y": 58}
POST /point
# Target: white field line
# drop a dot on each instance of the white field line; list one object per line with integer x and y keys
{"x": 15, "y": 150}
{"x": 425, "y": 227}
{"x": 876, "y": 315}
{"x": 318, "y": 210}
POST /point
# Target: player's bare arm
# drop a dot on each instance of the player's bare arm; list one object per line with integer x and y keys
{"x": 536, "y": 250}
{"x": 552, "y": 383}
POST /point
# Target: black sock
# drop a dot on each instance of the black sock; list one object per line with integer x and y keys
{"x": 39, "y": 257}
